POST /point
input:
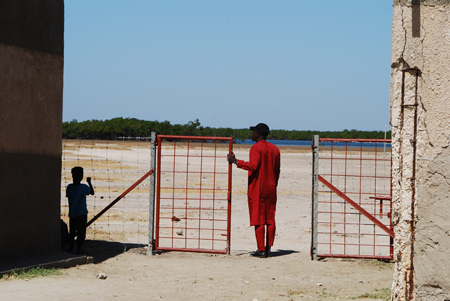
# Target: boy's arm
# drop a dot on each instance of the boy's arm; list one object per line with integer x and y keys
{"x": 88, "y": 180}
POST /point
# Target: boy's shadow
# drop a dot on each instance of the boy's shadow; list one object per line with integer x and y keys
{"x": 101, "y": 250}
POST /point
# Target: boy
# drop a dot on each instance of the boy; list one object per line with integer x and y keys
{"x": 76, "y": 193}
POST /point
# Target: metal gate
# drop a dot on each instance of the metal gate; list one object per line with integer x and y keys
{"x": 193, "y": 194}
{"x": 352, "y": 199}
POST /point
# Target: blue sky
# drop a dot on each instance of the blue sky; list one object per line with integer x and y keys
{"x": 293, "y": 64}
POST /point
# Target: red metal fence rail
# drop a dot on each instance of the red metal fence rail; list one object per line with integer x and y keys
{"x": 352, "y": 208}
{"x": 193, "y": 194}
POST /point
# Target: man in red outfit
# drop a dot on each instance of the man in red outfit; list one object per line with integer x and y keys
{"x": 263, "y": 174}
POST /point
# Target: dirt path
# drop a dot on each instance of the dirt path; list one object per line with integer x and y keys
{"x": 289, "y": 275}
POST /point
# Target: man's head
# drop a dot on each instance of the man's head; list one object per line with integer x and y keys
{"x": 260, "y": 131}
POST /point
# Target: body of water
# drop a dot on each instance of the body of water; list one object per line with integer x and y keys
{"x": 309, "y": 142}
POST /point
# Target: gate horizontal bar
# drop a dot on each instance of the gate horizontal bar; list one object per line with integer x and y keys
{"x": 354, "y": 140}
{"x": 355, "y": 256}
{"x": 193, "y": 250}
{"x": 194, "y": 137}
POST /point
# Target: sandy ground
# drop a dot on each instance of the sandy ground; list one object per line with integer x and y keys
{"x": 288, "y": 275}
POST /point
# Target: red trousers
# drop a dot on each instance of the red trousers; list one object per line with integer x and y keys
{"x": 261, "y": 240}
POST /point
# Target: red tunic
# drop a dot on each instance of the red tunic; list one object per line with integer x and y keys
{"x": 263, "y": 173}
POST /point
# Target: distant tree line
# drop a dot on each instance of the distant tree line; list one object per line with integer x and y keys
{"x": 131, "y": 127}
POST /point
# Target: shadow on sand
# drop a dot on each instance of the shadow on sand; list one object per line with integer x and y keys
{"x": 95, "y": 251}
{"x": 102, "y": 250}
{"x": 283, "y": 252}
{"x": 275, "y": 253}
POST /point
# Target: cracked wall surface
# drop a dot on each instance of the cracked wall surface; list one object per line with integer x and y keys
{"x": 420, "y": 119}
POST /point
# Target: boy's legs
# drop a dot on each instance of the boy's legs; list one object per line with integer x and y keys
{"x": 73, "y": 232}
{"x": 78, "y": 229}
{"x": 81, "y": 230}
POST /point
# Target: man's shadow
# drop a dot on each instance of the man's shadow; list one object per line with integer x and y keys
{"x": 274, "y": 253}
{"x": 283, "y": 252}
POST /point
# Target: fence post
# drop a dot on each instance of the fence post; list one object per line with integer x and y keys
{"x": 151, "y": 217}
{"x": 314, "y": 198}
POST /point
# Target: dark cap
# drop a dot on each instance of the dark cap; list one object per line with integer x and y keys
{"x": 261, "y": 128}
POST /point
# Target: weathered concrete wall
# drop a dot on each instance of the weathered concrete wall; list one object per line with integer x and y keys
{"x": 31, "y": 83}
{"x": 420, "y": 119}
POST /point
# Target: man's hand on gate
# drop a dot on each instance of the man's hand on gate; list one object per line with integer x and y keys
{"x": 231, "y": 158}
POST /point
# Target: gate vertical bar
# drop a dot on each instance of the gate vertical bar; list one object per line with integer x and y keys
{"x": 315, "y": 194}
{"x": 391, "y": 225}
{"x": 230, "y": 186}
{"x": 158, "y": 193}
{"x": 151, "y": 208}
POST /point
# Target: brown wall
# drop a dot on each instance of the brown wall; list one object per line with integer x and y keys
{"x": 31, "y": 85}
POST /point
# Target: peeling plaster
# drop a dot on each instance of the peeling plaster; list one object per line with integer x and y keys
{"x": 420, "y": 149}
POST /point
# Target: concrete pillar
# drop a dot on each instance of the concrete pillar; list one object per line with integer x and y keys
{"x": 420, "y": 119}
{"x": 31, "y": 83}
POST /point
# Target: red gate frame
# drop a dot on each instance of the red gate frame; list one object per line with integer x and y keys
{"x": 157, "y": 245}
{"x": 333, "y": 189}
